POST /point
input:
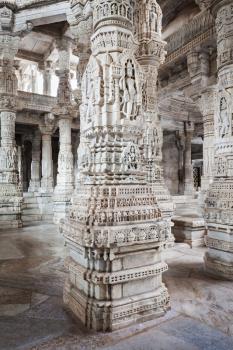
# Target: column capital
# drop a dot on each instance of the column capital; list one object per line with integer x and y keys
{"x": 207, "y": 101}
{"x": 189, "y": 127}
{"x": 203, "y": 4}
{"x": 65, "y": 106}
{"x": 198, "y": 63}
{"x": 49, "y": 125}
{"x": 148, "y": 27}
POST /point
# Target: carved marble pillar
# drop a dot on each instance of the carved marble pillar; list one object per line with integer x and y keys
{"x": 188, "y": 168}
{"x": 47, "y": 159}
{"x": 219, "y": 202}
{"x": 148, "y": 33}
{"x": 34, "y": 88}
{"x": 10, "y": 194}
{"x": 64, "y": 110}
{"x": 115, "y": 230}
{"x": 65, "y": 178}
{"x": 20, "y": 170}
{"x": 36, "y": 163}
{"x": 208, "y": 107}
{"x": 47, "y": 78}
{"x": 180, "y": 144}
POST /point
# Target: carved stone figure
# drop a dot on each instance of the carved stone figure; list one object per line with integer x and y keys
{"x": 224, "y": 120}
{"x": 129, "y": 88}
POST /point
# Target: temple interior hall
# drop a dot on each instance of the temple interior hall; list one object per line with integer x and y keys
{"x": 116, "y": 174}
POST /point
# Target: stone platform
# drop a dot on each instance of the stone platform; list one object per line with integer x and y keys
{"x": 190, "y": 230}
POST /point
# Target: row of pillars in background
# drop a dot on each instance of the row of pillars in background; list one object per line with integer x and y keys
{"x": 62, "y": 114}
{"x": 42, "y": 179}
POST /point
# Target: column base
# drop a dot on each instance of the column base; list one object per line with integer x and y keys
{"x": 59, "y": 211}
{"x": 166, "y": 205}
{"x": 218, "y": 267}
{"x": 108, "y": 289}
{"x": 205, "y": 183}
{"x": 189, "y": 193}
{"x": 189, "y": 230}
{"x": 61, "y": 203}
{"x": 10, "y": 212}
{"x": 105, "y": 316}
{"x": 46, "y": 186}
{"x": 219, "y": 258}
{"x": 34, "y": 187}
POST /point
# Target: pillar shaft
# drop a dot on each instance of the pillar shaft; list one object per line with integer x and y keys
{"x": 47, "y": 79}
{"x": 208, "y": 107}
{"x": 188, "y": 168}
{"x": 148, "y": 28}
{"x": 36, "y": 163}
{"x": 47, "y": 129}
{"x": 219, "y": 202}
{"x": 47, "y": 163}
{"x": 65, "y": 113}
{"x": 65, "y": 178}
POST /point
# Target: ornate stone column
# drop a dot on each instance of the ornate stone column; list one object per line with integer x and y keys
{"x": 188, "y": 168}
{"x": 64, "y": 110}
{"x": 115, "y": 230}
{"x": 34, "y": 88}
{"x": 219, "y": 202}
{"x": 208, "y": 107}
{"x": 47, "y": 159}
{"x": 10, "y": 194}
{"x": 180, "y": 144}
{"x": 36, "y": 163}
{"x": 150, "y": 54}
{"x": 47, "y": 78}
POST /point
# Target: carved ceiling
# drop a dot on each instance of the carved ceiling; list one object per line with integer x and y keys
{"x": 39, "y": 43}
{"x": 171, "y": 8}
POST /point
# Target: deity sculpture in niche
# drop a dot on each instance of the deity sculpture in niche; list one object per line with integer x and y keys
{"x": 224, "y": 120}
{"x": 92, "y": 89}
{"x": 149, "y": 17}
{"x": 84, "y": 158}
{"x": 91, "y": 99}
{"x": 128, "y": 86}
{"x": 131, "y": 157}
{"x": 153, "y": 19}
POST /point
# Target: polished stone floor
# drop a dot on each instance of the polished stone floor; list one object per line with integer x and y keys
{"x": 32, "y": 316}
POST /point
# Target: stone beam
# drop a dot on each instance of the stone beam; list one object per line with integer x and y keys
{"x": 30, "y": 56}
{"x": 52, "y": 12}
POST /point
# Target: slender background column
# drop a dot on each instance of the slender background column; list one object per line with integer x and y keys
{"x": 65, "y": 112}
{"x": 36, "y": 163}
{"x": 47, "y": 156}
{"x": 188, "y": 168}
{"x": 208, "y": 108}
{"x": 47, "y": 78}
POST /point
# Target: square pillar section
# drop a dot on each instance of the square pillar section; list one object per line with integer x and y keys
{"x": 219, "y": 200}
{"x": 115, "y": 230}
